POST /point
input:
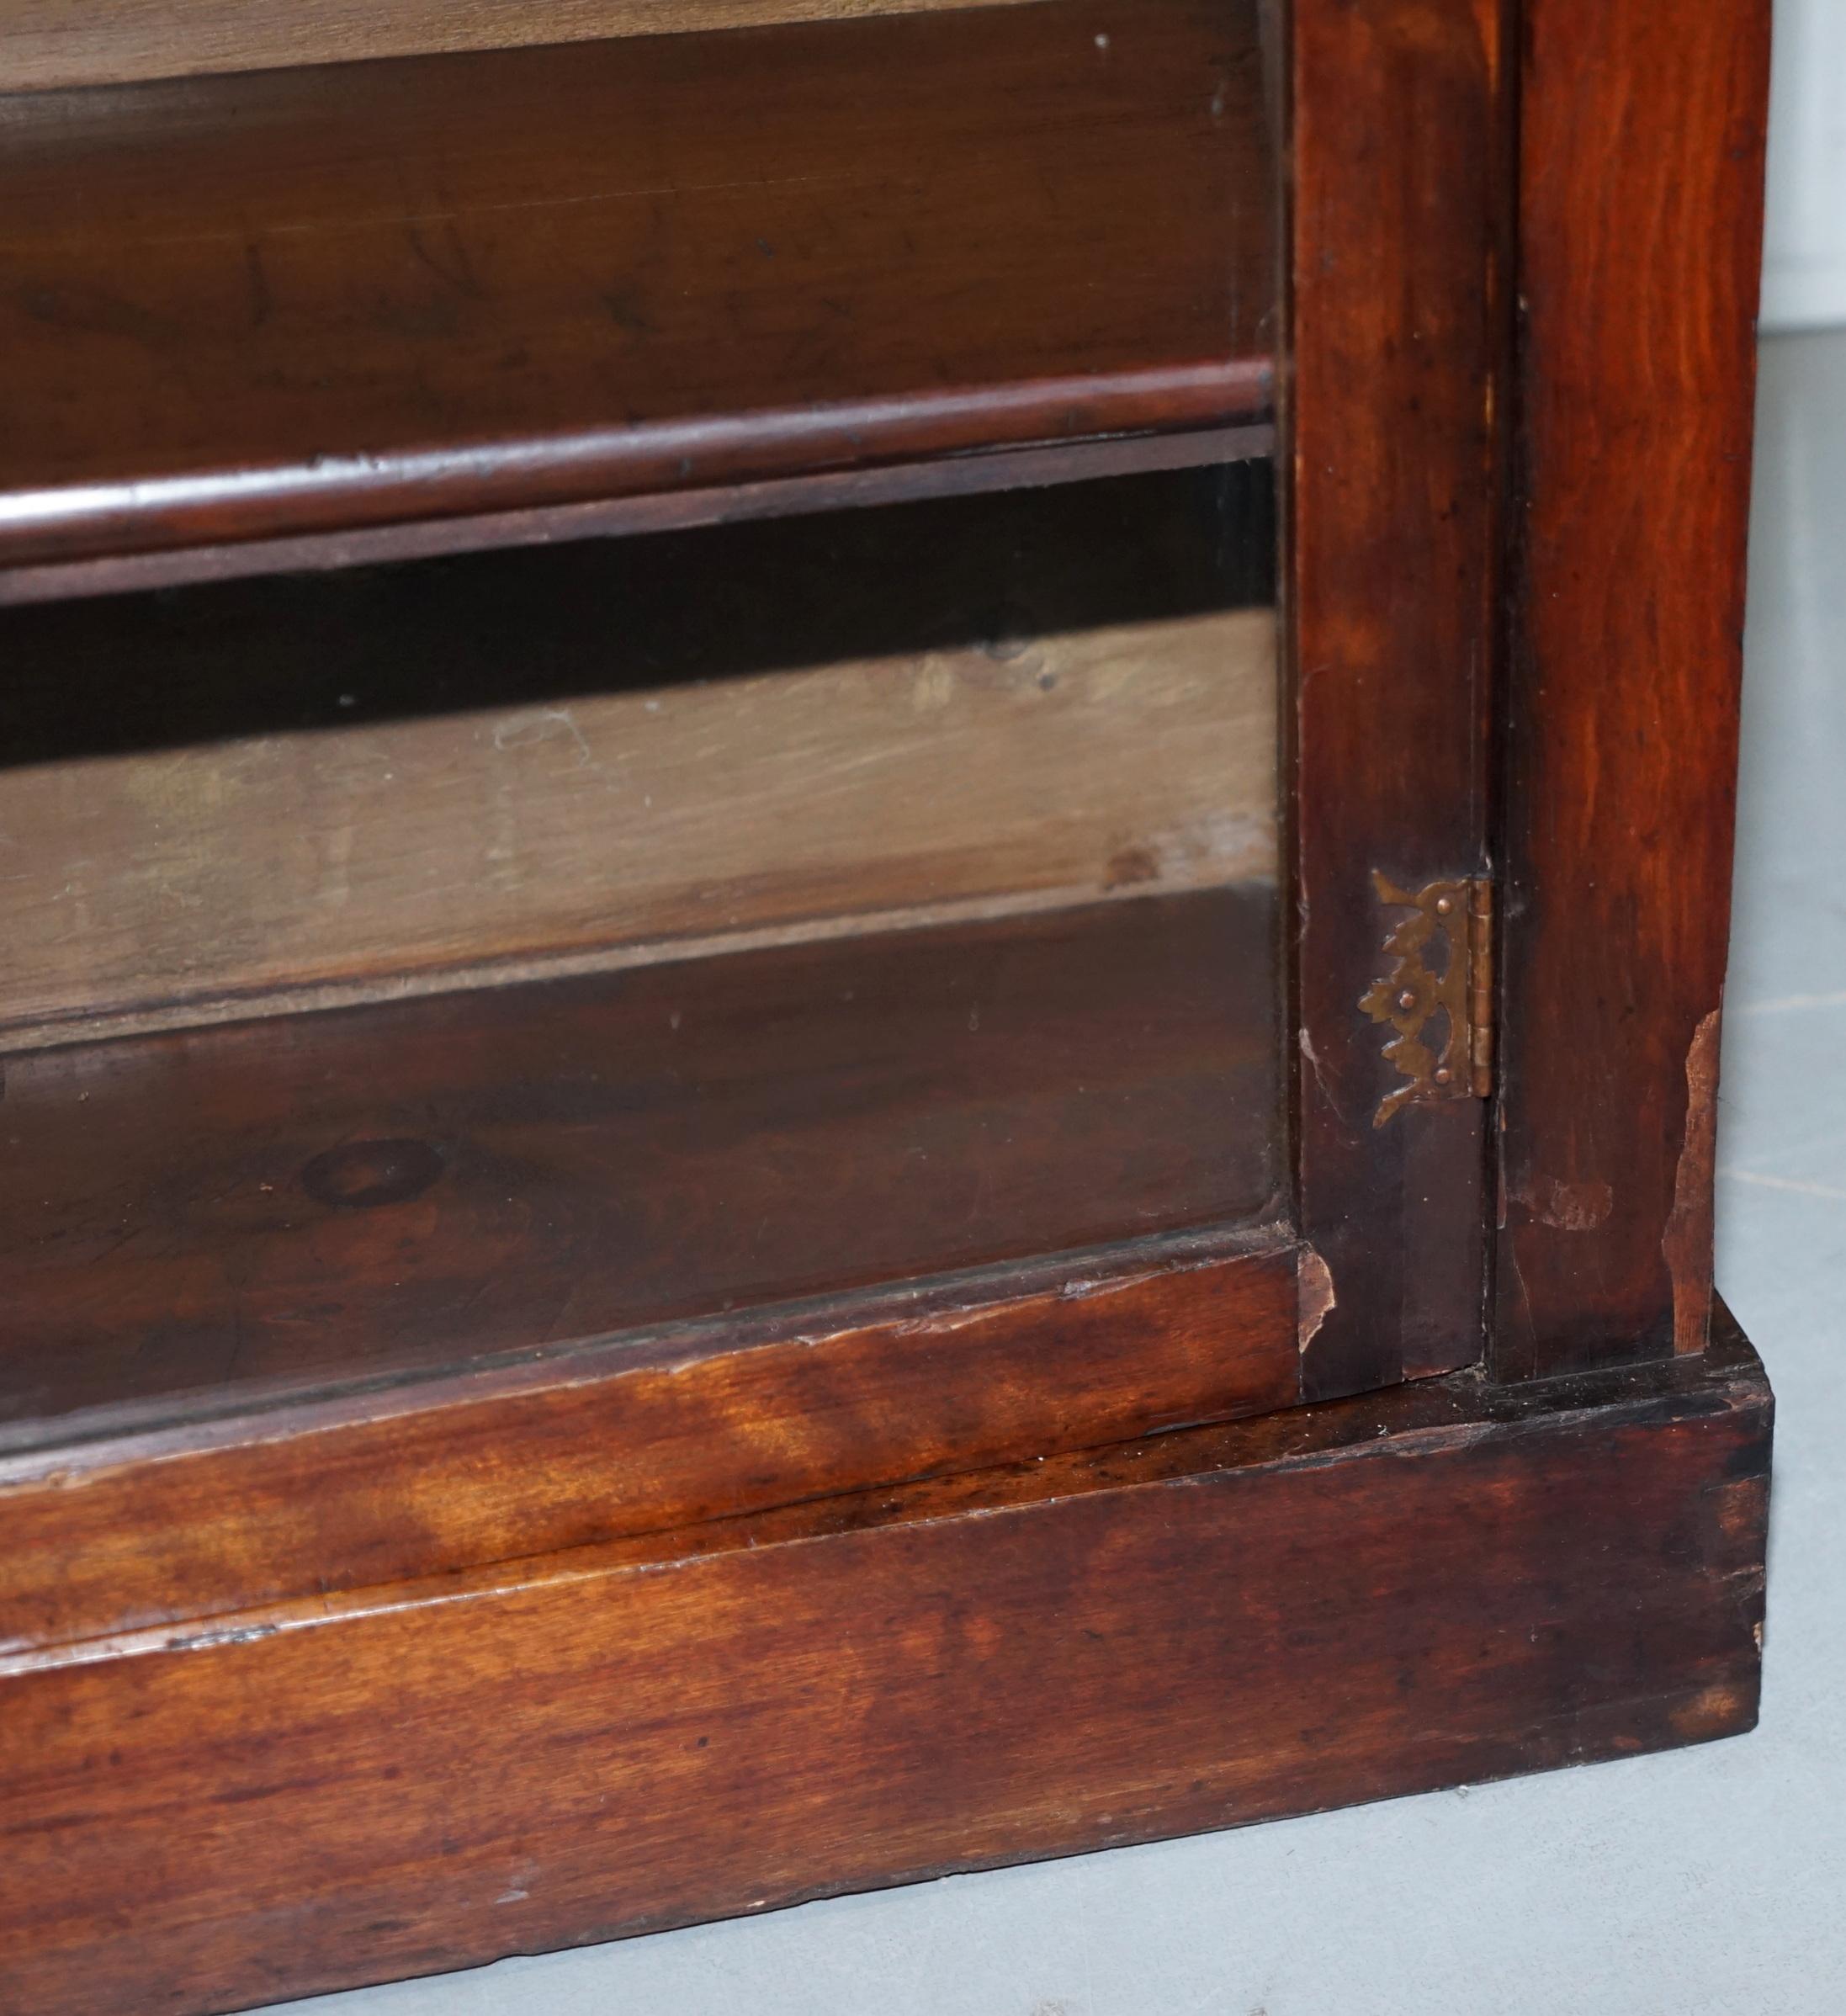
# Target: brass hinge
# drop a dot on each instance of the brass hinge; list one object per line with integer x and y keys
{"x": 1444, "y": 955}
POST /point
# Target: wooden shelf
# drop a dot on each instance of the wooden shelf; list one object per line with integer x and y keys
{"x": 844, "y": 1045}
{"x": 337, "y": 308}
{"x": 312, "y": 1200}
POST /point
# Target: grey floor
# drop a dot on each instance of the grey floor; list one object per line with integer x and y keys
{"x": 1708, "y": 1883}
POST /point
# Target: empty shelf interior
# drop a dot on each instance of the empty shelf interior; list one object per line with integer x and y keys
{"x": 337, "y": 787}
{"x": 416, "y": 968}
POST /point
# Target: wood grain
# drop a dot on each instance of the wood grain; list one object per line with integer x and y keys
{"x": 831, "y": 491}
{"x": 1400, "y": 137}
{"x": 1641, "y": 219}
{"x": 1385, "y": 1595}
{"x": 369, "y": 1193}
{"x": 219, "y": 879}
{"x": 296, "y": 301}
{"x": 52, "y": 44}
{"x": 115, "y": 1520}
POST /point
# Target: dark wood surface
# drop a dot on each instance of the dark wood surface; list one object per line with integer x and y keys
{"x": 55, "y": 43}
{"x": 121, "y": 1524}
{"x": 1388, "y": 1594}
{"x": 317, "y": 1200}
{"x": 1640, "y": 216}
{"x": 1400, "y": 146}
{"x": 300, "y": 300}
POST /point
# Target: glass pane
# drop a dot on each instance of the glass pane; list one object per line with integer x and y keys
{"x": 871, "y": 876}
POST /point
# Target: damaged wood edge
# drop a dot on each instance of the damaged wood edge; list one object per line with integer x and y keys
{"x": 1316, "y": 1299}
{"x": 1687, "y": 1243}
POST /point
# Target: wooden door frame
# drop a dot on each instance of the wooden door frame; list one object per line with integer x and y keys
{"x": 1398, "y": 168}
{"x": 1521, "y": 397}
{"x": 1640, "y": 235}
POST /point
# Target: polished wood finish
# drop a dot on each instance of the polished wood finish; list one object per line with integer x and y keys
{"x": 1388, "y": 1594}
{"x": 300, "y": 301}
{"x": 373, "y": 1193}
{"x": 48, "y": 43}
{"x": 539, "y": 1463}
{"x": 610, "y": 755}
{"x": 961, "y": 476}
{"x": 123, "y": 1518}
{"x": 1399, "y": 146}
{"x": 1640, "y": 229}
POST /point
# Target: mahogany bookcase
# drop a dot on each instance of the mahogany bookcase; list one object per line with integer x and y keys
{"x": 864, "y": 871}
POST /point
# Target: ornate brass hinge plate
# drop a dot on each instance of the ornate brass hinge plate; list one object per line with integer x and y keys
{"x": 1443, "y": 976}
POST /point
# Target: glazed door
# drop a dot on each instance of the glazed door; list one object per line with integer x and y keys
{"x": 1400, "y": 160}
{"x": 805, "y": 705}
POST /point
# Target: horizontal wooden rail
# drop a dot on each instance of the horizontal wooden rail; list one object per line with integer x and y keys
{"x": 428, "y": 290}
